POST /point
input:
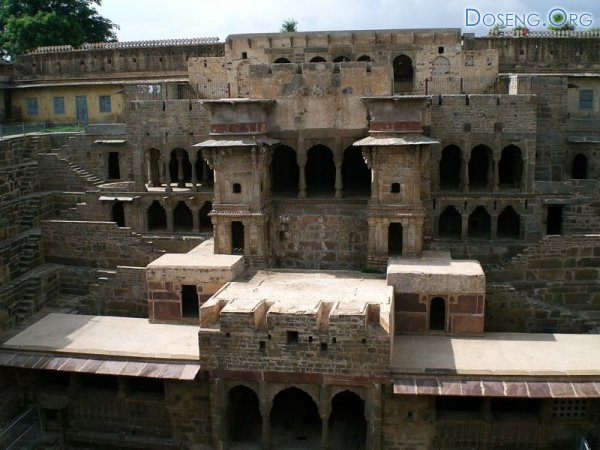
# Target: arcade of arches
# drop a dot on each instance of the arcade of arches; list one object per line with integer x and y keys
{"x": 479, "y": 223}
{"x": 179, "y": 217}
{"x": 176, "y": 168}
{"x": 480, "y": 169}
{"x": 293, "y": 419}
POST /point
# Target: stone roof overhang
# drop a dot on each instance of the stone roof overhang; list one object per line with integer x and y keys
{"x": 105, "y": 345}
{"x": 418, "y": 139}
{"x": 239, "y": 142}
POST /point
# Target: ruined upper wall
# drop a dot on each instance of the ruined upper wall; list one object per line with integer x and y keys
{"x": 301, "y": 47}
{"x": 530, "y": 54}
{"x": 112, "y": 60}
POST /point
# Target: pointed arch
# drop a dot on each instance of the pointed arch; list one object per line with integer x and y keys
{"x": 510, "y": 167}
{"x": 347, "y": 423}
{"x": 480, "y": 223}
{"x": 403, "y": 74}
{"x": 449, "y": 167}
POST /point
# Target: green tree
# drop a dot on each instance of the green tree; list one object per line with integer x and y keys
{"x": 289, "y": 26}
{"x": 26, "y": 25}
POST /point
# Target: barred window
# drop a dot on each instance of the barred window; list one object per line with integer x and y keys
{"x": 570, "y": 409}
{"x": 59, "y": 105}
{"x": 586, "y": 99}
{"x": 32, "y": 107}
{"x": 104, "y": 102}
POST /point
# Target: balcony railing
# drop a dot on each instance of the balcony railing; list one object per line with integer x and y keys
{"x": 25, "y": 432}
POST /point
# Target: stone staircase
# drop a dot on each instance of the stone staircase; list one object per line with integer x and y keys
{"x": 89, "y": 178}
{"x": 31, "y": 251}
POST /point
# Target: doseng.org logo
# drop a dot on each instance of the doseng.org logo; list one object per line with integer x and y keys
{"x": 556, "y": 17}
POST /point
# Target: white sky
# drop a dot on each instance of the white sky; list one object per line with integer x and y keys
{"x": 160, "y": 19}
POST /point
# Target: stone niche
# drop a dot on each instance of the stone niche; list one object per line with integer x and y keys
{"x": 436, "y": 295}
{"x": 178, "y": 284}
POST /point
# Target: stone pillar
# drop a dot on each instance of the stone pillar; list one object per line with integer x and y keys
{"x": 465, "y": 175}
{"x": 265, "y": 412}
{"x": 205, "y": 180}
{"x": 167, "y": 176}
{"x": 169, "y": 211}
{"x": 496, "y": 175}
{"x": 194, "y": 174}
{"x": 373, "y": 407}
{"x": 465, "y": 226}
{"x": 180, "y": 174}
{"x": 148, "y": 170}
{"x": 324, "y": 412}
{"x": 302, "y": 177}
{"x": 491, "y": 173}
{"x": 195, "y": 220}
{"x": 494, "y": 226}
{"x": 407, "y": 249}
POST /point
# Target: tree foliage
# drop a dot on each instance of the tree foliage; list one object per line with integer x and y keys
{"x": 565, "y": 24}
{"x": 289, "y": 26}
{"x": 26, "y": 25}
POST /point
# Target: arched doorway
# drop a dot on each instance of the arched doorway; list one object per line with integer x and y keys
{"x": 317, "y": 59}
{"x": 480, "y": 224}
{"x": 281, "y": 61}
{"x": 157, "y": 217}
{"x": 237, "y": 238}
{"x": 205, "y": 222}
{"x": 356, "y": 176}
{"x": 395, "y": 239}
{"x": 364, "y": 58}
{"x": 341, "y": 59}
{"x": 450, "y": 223}
{"x": 403, "y": 74}
{"x": 182, "y": 218}
{"x": 114, "y": 170}
{"x": 118, "y": 214}
{"x": 204, "y": 173}
{"x": 295, "y": 421}
{"x": 450, "y": 167}
{"x": 580, "y": 166}
{"x": 509, "y": 224}
{"x": 284, "y": 172}
{"x": 347, "y": 423}
{"x": 437, "y": 314}
{"x": 320, "y": 171}
{"x": 480, "y": 167}
{"x": 180, "y": 167}
{"x": 243, "y": 420}
{"x": 510, "y": 167}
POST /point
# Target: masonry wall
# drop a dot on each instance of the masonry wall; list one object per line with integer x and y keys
{"x": 319, "y": 234}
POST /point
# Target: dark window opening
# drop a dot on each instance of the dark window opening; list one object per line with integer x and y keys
{"x": 580, "y": 168}
{"x": 320, "y": 171}
{"x": 189, "y": 301}
{"x": 237, "y": 188}
{"x": 99, "y": 382}
{"x": 243, "y": 419}
{"x": 324, "y": 346}
{"x": 480, "y": 167}
{"x": 292, "y": 337}
{"x": 440, "y": 50}
{"x": 237, "y": 238}
{"x": 395, "y": 188}
{"x": 180, "y": 167}
{"x": 510, "y": 167}
{"x": 205, "y": 222}
{"x": 295, "y": 418}
{"x": 515, "y": 406}
{"x": 395, "y": 239}
{"x": 356, "y": 176}
{"x": 450, "y": 167}
{"x": 403, "y": 74}
{"x": 114, "y": 172}
{"x": 554, "y": 220}
{"x": 365, "y": 58}
{"x": 480, "y": 224}
{"x": 54, "y": 378}
{"x": 450, "y": 224}
{"x": 282, "y": 61}
{"x": 586, "y": 99}
{"x": 317, "y": 59}
{"x": 437, "y": 314}
{"x": 146, "y": 385}
{"x": 458, "y": 404}
{"x": 244, "y": 55}
{"x": 284, "y": 171}
{"x": 347, "y": 423}
{"x": 182, "y": 218}
{"x": 340, "y": 59}
{"x": 118, "y": 214}
{"x": 157, "y": 217}
{"x": 509, "y": 224}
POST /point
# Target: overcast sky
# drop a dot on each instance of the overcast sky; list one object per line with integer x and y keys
{"x": 160, "y": 19}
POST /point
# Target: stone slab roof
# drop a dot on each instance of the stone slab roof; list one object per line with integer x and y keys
{"x": 499, "y": 354}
